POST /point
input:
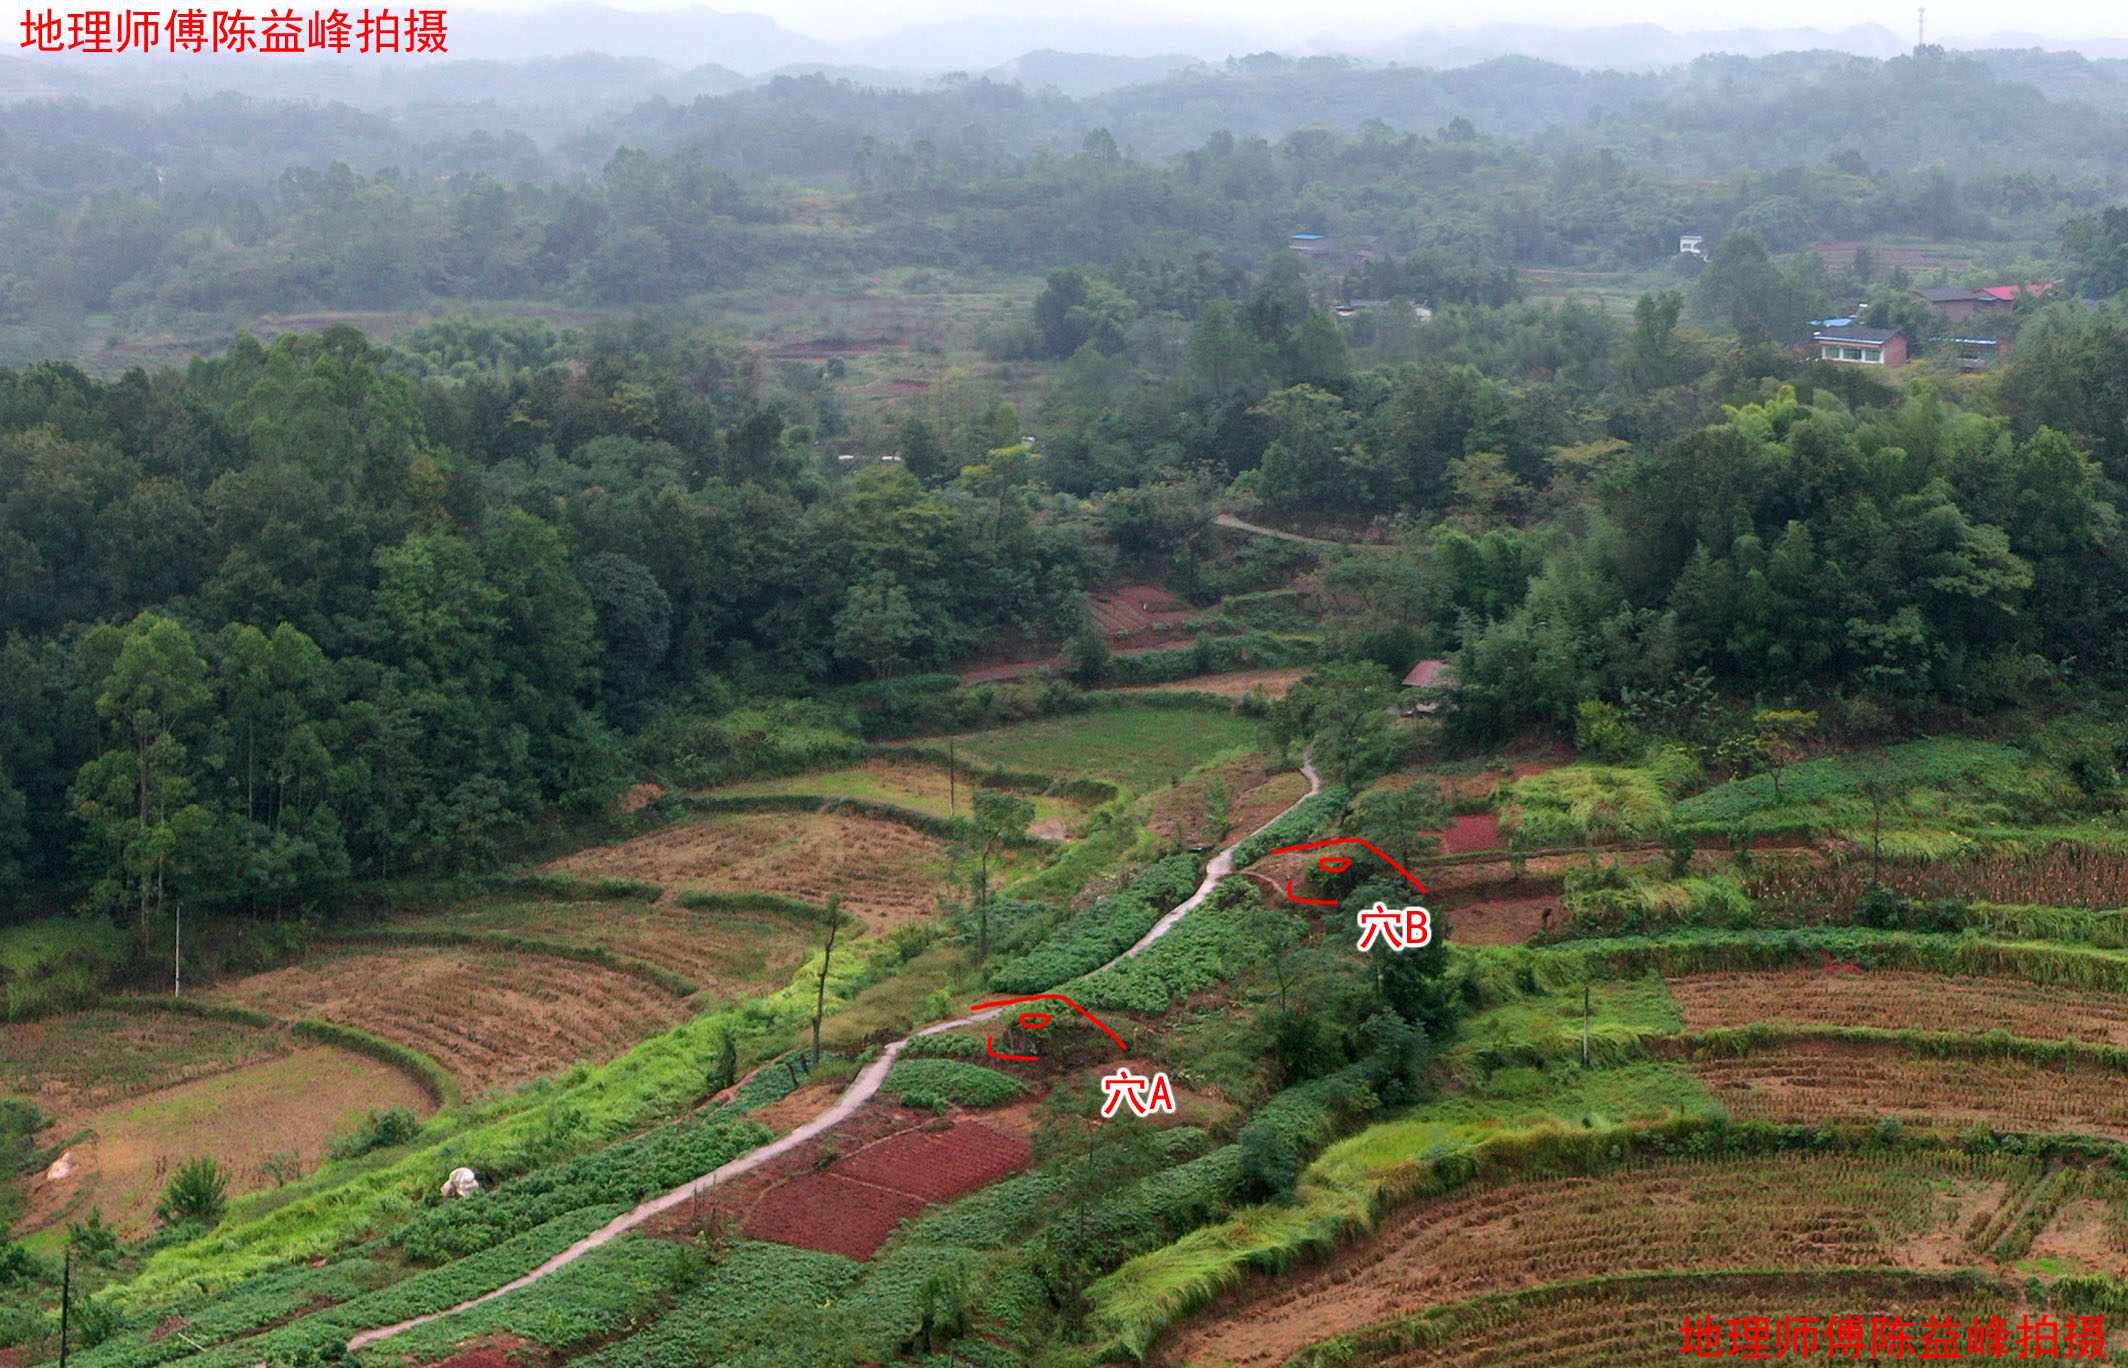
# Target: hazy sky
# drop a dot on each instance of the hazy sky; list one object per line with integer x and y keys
{"x": 1359, "y": 20}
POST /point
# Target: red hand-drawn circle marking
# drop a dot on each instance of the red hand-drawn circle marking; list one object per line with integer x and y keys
{"x": 1034, "y": 1021}
{"x": 1334, "y": 864}
{"x": 1323, "y": 862}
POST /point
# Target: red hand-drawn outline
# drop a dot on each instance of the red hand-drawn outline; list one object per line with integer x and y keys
{"x": 1342, "y": 863}
{"x": 1043, "y": 997}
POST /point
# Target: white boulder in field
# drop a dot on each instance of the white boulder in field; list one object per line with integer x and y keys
{"x": 463, "y": 1182}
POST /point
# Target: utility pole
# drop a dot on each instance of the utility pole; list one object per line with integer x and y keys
{"x": 177, "y": 955}
{"x": 1584, "y": 1025}
{"x": 66, "y": 1302}
{"x": 953, "y": 801}
{"x": 1921, "y": 26}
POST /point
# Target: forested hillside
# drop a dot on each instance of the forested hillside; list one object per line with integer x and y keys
{"x": 563, "y": 679}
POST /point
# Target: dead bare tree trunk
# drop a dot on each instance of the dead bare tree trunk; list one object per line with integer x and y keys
{"x": 833, "y": 917}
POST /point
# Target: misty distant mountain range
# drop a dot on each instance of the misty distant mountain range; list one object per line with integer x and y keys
{"x": 588, "y": 57}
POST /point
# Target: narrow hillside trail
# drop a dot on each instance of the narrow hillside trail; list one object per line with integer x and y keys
{"x": 1239, "y": 525}
{"x": 861, "y": 1090}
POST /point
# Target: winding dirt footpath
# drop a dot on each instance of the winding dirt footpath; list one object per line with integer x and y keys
{"x": 861, "y": 1090}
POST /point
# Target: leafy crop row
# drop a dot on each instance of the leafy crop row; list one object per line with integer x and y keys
{"x": 936, "y": 1082}
{"x": 723, "y": 1316}
{"x": 438, "y": 1289}
{"x": 1295, "y": 825}
{"x": 627, "y": 1172}
{"x": 599, "y": 1295}
{"x": 1103, "y": 931}
{"x": 1212, "y": 945}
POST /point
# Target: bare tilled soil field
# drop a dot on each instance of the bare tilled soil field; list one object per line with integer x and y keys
{"x": 884, "y": 872}
{"x": 1810, "y": 1081}
{"x": 1808, "y": 1212}
{"x": 725, "y": 952}
{"x": 1898, "y": 1000}
{"x": 490, "y": 1017}
{"x": 846, "y": 1192}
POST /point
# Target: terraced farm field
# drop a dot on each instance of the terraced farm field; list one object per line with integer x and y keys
{"x": 1139, "y": 746}
{"x": 1899, "y": 1000}
{"x": 1254, "y": 794}
{"x": 927, "y": 788}
{"x": 1632, "y": 1322}
{"x": 90, "y": 1059}
{"x": 491, "y": 1017}
{"x": 1802, "y": 1211}
{"x": 885, "y": 872}
{"x": 1812, "y": 1081}
{"x": 724, "y": 952}
{"x": 289, "y": 1106}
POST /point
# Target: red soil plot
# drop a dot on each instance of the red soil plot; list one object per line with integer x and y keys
{"x": 1132, "y": 608}
{"x": 826, "y": 1211}
{"x": 940, "y": 1165}
{"x": 852, "y": 1207}
{"x": 1473, "y": 831}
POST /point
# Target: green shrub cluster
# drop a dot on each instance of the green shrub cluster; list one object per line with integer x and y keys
{"x": 1249, "y": 650}
{"x": 945, "y": 1045}
{"x": 435, "y": 1080}
{"x": 1941, "y": 781}
{"x": 1295, "y": 825}
{"x": 148, "y": 1004}
{"x": 677, "y": 984}
{"x": 1293, "y": 1125}
{"x": 1614, "y": 901}
{"x": 1270, "y": 610}
{"x": 934, "y": 1083}
{"x": 784, "y": 736}
{"x": 1580, "y": 804}
{"x": 703, "y": 900}
{"x": 1102, "y": 931}
{"x": 1214, "y": 944}
{"x": 380, "y": 1128}
{"x": 565, "y": 887}
{"x": 628, "y": 1172}
{"x": 57, "y": 963}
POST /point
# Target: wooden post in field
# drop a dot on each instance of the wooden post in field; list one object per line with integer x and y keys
{"x": 953, "y": 798}
{"x": 1584, "y": 1025}
{"x": 66, "y": 1302}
